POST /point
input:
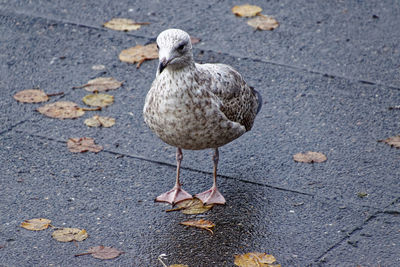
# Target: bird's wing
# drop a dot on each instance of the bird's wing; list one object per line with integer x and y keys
{"x": 239, "y": 102}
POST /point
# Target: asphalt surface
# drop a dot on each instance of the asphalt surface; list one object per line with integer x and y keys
{"x": 328, "y": 76}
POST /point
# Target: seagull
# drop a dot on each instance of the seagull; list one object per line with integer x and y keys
{"x": 196, "y": 106}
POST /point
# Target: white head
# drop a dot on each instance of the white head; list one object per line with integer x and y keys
{"x": 174, "y": 49}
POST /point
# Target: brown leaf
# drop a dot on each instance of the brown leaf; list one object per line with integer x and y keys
{"x": 263, "y": 23}
{"x": 102, "y": 252}
{"x": 203, "y": 224}
{"x": 193, "y": 206}
{"x": 83, "y": 144}
{"x": 138, "y": 54}
{"x": 310, "y": 157}
{"x": 246, "y": 10}
{"x": 31, "y": 96}
{"x": 98, "y": 100}
{"x": 101, "y": 84}
{"x": 194, "y": 40}
{"x": 97, "y": 121}
{"x": 62, "y": 110}
{"x": 253, "y": 259}
{"x": 121, "y": 24}
{"x": 179, "y": 265}
{"x": 393, "y": 141}
{"x": 36, "y": 224}
{"x": 70, "y": 234}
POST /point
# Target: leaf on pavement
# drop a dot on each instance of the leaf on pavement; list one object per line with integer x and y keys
{"x": 83, "y": 144}
{"x": 61, "y": 110}
{"x": 194, "y": 40}
{"x": 101, "y": 84}
{"x": 393, "y": 141}
{"x": 263, "y": 23}
{"x": 246, "y": 10}
{"x": 36, "y": 224}
{"x": 97, "y": 121}
{"x": 253, "y": 259}
{"x": 138, "y": 54}
{"x": 179, "y": 265}
{"x": 70, "y": 234}
{"x": 310, "y": 157}
{"x": 98, "y": 100}
{"x": 203, "y": 224}
{"x": 122, "y": 24}
{"x": 102, "y": 252}
{"x": 193, "y": 206}
{"x": 31, "y": 96}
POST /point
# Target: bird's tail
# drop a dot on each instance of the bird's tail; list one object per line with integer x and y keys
{"x": 259, "y": 99}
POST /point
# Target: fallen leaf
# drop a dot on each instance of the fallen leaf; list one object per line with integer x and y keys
{"x": 193, "y": 206}
{"x": 203, "y": 224}
{"x": 310, "y": 157}
{"x": 393, "y": 141}
{"x": 121, "y": 24}
{"x": 246, "y": 10}
{"x": 69, "y": 234}
{"x": 263, "y": 23}
{"x": 194, "y": 40}
{"x": 97, "y": 121}
{"x": 36, "y": 224}
{"x": 83, "y": 144}
{"x": 362, "y": 194}
{"x": 138, "y": 54}
{"x": 101, "y": 84}
{"x": 62, "y": 110}
{"x": 253, "y": 259}
{"x": 179, "y": 265}
{"x": 98, "y": 100}
{"x": 102, "y": 252}
{"x": 31, "y": 96}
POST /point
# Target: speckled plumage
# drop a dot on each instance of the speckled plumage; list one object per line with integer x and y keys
{"x": 197, "y": 106}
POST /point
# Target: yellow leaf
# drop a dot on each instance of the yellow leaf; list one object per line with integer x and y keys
{"x": 193, "y": 206}
{"x": 62, "y": 110}
{"x": 310, "y": 157}
{"x": 263, "y": 23}
{"x": 101, "y": 84}
{"x": 121, "y": 24}
{"x": 393, "y": 141}
{"x": 98, "y": 100}
{"x": 246, "y": 10}
{"x": 138, "y": 54}
{"x": 253, "y": 259}
{"x": 36, "y": 224}
{"x": 83, "y": 144}
{"x": 31, "y": 96}
{"x": 70, "y": 234}
{"x": 203, "y": 224}
{"x": 97, "y": 121}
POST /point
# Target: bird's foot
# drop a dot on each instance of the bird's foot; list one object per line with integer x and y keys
{"x": 173, "y": 196}
{"x": 211, "y": 196}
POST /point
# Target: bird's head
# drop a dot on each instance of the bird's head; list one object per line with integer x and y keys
{"x": 174, "y": 49}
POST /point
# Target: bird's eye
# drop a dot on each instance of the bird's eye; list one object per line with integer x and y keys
{"x": 181, "y": 47}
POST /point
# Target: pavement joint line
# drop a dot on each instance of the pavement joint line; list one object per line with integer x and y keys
{"x": 274, "y": 63}
{"x": 10, "y": 128}
{"x": 359, "y": 228}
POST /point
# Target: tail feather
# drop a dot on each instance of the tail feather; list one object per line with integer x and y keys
{"x": 259, "y": 99}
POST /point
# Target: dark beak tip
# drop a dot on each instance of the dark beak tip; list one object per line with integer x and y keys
{"x": 161, "y": 66}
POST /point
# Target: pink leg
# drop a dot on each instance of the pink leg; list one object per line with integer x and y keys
{"x": 212, "y": 195}
{"x": 176, "y": 194}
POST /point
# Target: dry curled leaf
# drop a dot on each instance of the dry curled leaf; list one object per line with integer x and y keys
{"x": 246, "y": 10}
{"x": 121, "y": 24}
{"x": 101, "y": 84}
{"x": 310, "y": 157}
{"x": 70, "y": 234}
{"x": 36, "y": 224}
{"x": 31, "y": 96}
{"x": 193, "y": 206}
{"x": 98, "y": 100}
{"x": 97, "y": 121}
{"x": 83, "y": 144}
{"x": 138, "y": 54}
{"x": 393, "y": 141}
{"x": 253, "y": 259}
{"x": 263, "y": 23}
{"x": 203, "y": 224}
{"x": 61, "y": 110}
{"x": 102, "y": 252}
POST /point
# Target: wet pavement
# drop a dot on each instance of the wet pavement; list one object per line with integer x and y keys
{"x": 328, "y": 76}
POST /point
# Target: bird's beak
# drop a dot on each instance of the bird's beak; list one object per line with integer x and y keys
{"x": 162, "y": 65}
